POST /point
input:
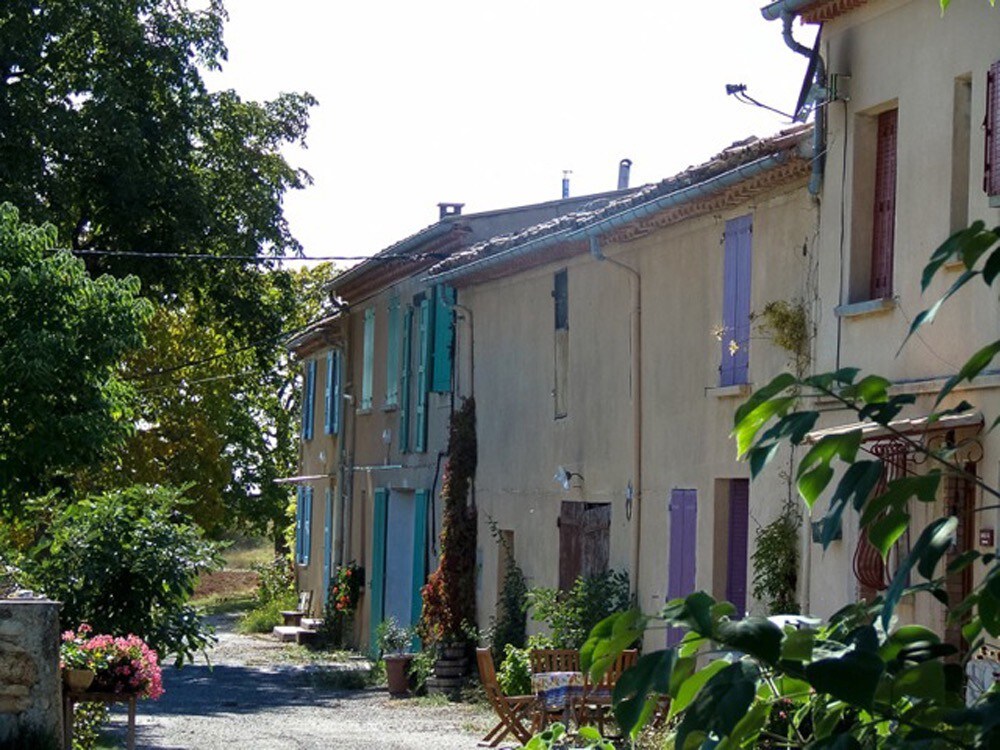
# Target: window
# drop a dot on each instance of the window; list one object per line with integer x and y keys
{"x": 560, "y": 297}
{"x": 732, "y": 529}
{"x": 309, "y": 400}
{"x": 991, "y": 174}
{"x": 369, "y": 359}
{"x": 884, "y": 223}
{"x": 392, "y": 355}
{"x": 303, "y": 522}
{"x": 736, "y": 272}
{"x": 425, "y": 340}
{"x": 405, "y": 398}
{"x": 332, "y": 420}
{"x": 444, "y": 338}
{"x": 961, "y": 131}
{"x": 584, "y": 541}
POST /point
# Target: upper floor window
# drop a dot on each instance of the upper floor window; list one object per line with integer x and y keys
{"x": 736, "y": 271}
{"x": 309, "y": 399}
{"x": 392, "y": 343}
{"x": 332, "y": 422}
{"x": 368, "y": 361}
{"x": 991, "y": 176}
{"x": 884, "y": 221}
{"x": 560, "y": 296}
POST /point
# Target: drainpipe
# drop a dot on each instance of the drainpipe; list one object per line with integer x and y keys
{"x": 466, "y": 314}
{"x": 636, "y": 367}
{"x": 819, "y": 90}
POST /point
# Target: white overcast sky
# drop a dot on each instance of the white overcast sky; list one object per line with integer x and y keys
{"x": 486, "y": 103}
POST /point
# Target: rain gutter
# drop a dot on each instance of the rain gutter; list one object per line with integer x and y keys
{"x": 399, "y": 249}
{"x": 775, "y": 10}
{"x": 678, "y": 197}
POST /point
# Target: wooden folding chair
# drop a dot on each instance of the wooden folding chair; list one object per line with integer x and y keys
{"x": 595, "y": 706}
{"x": 554, "y": 660}
{"x": 512, "y": 710}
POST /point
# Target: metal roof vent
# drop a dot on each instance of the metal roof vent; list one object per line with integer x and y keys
{"x": 624, "y": 167}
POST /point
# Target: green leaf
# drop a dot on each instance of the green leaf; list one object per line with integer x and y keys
{"x": 963, "y": 561}
{"x": 898, "y": 491}
{"x": 755, "y": 636}
{"x": 839, "y": 741}
{"x": 758, "y": 397}
{"x": 761, "y": 457}
{"x": 746, "y": 430}
{"x": 928, "y": 315}
{"x": 925, "y": 680}
{"x": 938, "y": 544}
{"x": 590, "y": 734}
{"x": 721, "y": 703}
{"x": 651, "y": 674}
{"x": 608, "y": 639}
{"x": 989, "y": 612}
{"x": 887, "y": 530}
{"x": 844, "y": 445}
{"x": 695, "y": 611}
{"x": 798, "y": 645}
{"x": 976, "y": 363}
{"x": 689, "y": 688}
{"x": 930, "y": 541}
{"x": 857, "y": 483}
{"x": 811, "y": 485}
{"x": 746, "y": 732}
{"x": 852, "y": 678}
{"x": 872, "y": 389}
{"x": 794, "y": 427}
{"x": 904, "y": 636}
{"x": 950, "y": 247}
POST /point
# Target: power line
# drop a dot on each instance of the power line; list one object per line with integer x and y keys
{"x": 258, "y": 258}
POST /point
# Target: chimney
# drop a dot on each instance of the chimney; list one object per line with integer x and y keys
{"x": 623, "y": 169}
{"x": 449, "y": 209}
{"x": 565, "y": 185}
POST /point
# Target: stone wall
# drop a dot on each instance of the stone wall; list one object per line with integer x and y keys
{"x": 30, "y": 685}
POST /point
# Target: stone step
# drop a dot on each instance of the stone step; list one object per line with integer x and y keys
{"x": 312, "y": 623}
{"x": 286, "y": 633}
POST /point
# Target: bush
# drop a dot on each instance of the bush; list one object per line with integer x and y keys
{"x": 265, "y": 617}
{"x": 514, "y": 675}
{"x": 127, "y": 562}
{"x": 571, "y": 615}
{"x": 275, "y": 593}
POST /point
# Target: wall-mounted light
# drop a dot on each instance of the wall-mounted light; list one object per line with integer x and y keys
{"x": 629, "y": 495}
{"x": 565, "y": 477}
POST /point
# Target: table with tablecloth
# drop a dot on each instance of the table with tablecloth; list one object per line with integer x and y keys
{"x": 558, "y": 691}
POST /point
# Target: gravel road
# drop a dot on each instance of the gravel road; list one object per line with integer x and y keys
{"x": 260, "y": 695}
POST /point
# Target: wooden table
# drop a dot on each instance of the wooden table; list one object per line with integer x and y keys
{"x": 72, "y": 697}
{"x": 558, "y": 692}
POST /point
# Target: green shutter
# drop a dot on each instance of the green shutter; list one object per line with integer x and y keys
{"x": 419, "y": 552}
{"x": 307, "y": 511}
{"x": 444, "y": 338}
{"x": 376, "y": 580}
{"x": 327, "y": 543}
{"x": 392, "y": 355}
{"x": 426, "y": 327}
{"x": 298, "y": 525}
{"x": 404, "y": 406}
{"x": 369, "y": 359}
{"x": 309, "y": 400}
{"x": 328, "y": 421}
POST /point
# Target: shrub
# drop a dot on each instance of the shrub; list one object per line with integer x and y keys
{"x": 509, "y": 627}
{"x": 127, "y": 562}
{"x": 514, "y": 675}
{"x": 265, "y": 617}
{"x": 571, "y": 615}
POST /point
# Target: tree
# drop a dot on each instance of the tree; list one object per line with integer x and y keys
{"x": 63, "y": 336}
{"x": 857, "y": 680}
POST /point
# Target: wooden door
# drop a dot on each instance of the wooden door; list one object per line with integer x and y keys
{"x": 681, "y": 571}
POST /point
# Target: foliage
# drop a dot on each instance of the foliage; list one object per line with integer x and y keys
{"x": 341, "y": 602}
{"x": 393, "y": 638}
{"x": 88, "y": 721}
{"x": 787, "y": 325}
{"x": 556, "y": 736}
{"x": 263, "y": 618}
{"x": 62, "y": 338}
{"x": 509, "y": 627}
{"x": 514, "y": 675}
{"x": 571, "y": 615}
{"x": 776, "y": 562}
{"x": 859, "y": 679}
{"x": 127, "y": 562}
{"x": 121, "y": 665}
{"x": 275, "y": 593}
{"x": 449, "y": 596}
{"x": 421, "y": 668}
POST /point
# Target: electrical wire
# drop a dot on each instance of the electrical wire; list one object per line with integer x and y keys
{"x": 257, "y": 258}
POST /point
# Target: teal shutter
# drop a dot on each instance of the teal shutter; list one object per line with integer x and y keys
{"x": 307, "y": 511}
{"x": 327, "y": 544}
{"x": 299, "y": 511}
{"x": 392, "y": 355}
{"x": 369, "y": 359}
{"x": 332, "y": 418}
{"x": 423, "y": 373}
{"x": 419, "y": 553}
{"x": 377, "y": 579}
{"x": 309, "y": 400}
{"x": 338, "y": 361}
{"x": 444, "y": 338}
{"x": 404, "y": 407}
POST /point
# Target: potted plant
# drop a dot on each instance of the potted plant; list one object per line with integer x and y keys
{"x": 393, "y": 641}
{"x": 76, "y": 662}
{"x": 123, "y": 665}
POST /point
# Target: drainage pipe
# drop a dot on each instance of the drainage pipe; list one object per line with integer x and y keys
{"x": 635, "y": 344}
{"x": 775, "y": 10}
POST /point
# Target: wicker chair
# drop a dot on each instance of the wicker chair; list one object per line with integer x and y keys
{"x": 512, "y": 710}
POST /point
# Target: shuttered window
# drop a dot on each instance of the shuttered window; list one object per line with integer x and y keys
{"x": 424, "y": 343}
{"x": 332, "y": 416}
{"x": 737, "y": 266}
{"x": 560, "y": 300}
{"x": 303, "y": 521}
{"x": 309, "y": 400}
{"x": 884, "y": 224}
{"x": 737, "y": 540}
{"x": 444, "y": 338}
{"x": 367, "y": 375}
{"x": 392, "y": 355}
{"x": 991, "y": 174}
{"x": 405, "y": 396}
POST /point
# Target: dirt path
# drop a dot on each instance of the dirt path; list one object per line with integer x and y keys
{"x": 258, "y": 694}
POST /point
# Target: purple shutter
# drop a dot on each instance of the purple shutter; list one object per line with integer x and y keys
{"x": 737, "y": 268}
{"x": 991, "y": 173}
{"x": 884, "y": 227}
{"x": 680, "y": 576}
{"x": 739, "y": 528}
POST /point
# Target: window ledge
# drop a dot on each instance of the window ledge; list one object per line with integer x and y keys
{"x": 361, "y": 412}
{"x": 740, "y": 390}
{"x": 995, "y": 201}
{"x": 862, "y": 309}
{"x": 390, "y": 407}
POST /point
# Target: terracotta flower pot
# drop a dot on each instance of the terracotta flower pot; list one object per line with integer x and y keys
{"x": 397, "y": 668}
{"x": 78, "y": 680}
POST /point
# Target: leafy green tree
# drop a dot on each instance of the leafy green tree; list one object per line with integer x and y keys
{"x": 858, "y": 680}
{"x": 63, "y": 335}
{"x": 126, "y": 562}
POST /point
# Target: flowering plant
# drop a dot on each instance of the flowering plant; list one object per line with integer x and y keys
{"x": 120, "y": 664}
{"x": 345, "y": 587}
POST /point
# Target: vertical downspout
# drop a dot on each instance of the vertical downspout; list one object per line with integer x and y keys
{"x": 636, "y": 373}
{"x": 819, "y": 119}
{"x": 345, "y": 478}
{"x": 467, "y": 315}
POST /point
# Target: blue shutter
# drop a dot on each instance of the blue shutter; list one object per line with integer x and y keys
{"x": 419, "y": 557}
{"x": 444, "y": 338}
{"x": 423, "y": 374}
{"x": 369, "y": 359}
{"x": 392, "y": 355}
{"x": 377, "y": 580}
{"x": 309, "y": 400}
{"x": 332, "y": 421}
{"x": 328, "y": 395}
{"x": 338, "y": 369}
{"x": 307, "y": 511}
{"x": 298, "y": 525}
{"x": 327, "y": 544}
{"x": 734, "y": 368}
{"x": 404, "y": 406}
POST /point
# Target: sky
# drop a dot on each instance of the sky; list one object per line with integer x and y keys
{"x": 486, "y": 103}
